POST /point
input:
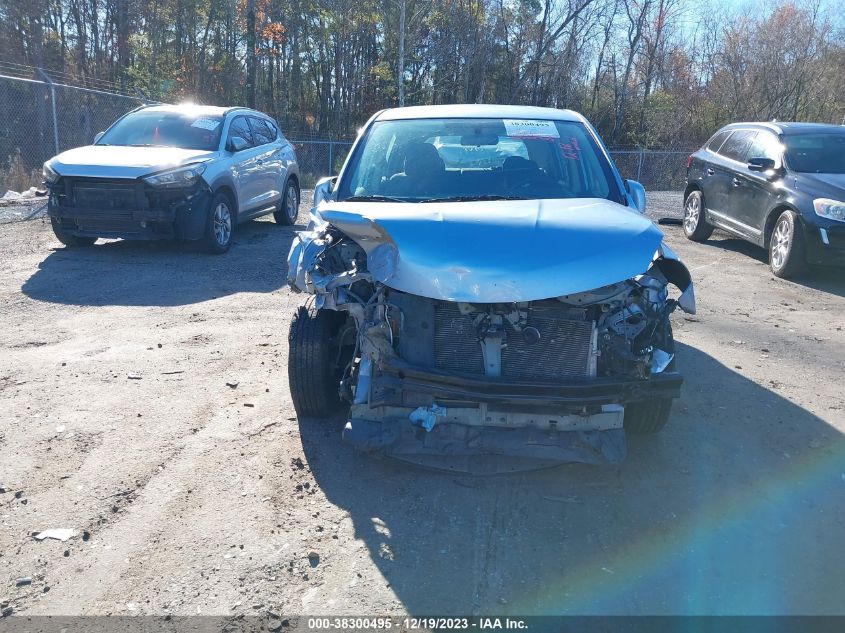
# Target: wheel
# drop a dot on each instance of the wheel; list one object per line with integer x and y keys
{"x": 313, "y": 369}
{"x": 71, "y": 241}
{"x": 786, "y": 247}
{"x": 696, "y": 227}
{"x": 286, "y": 215}
{"x": 647, "y": 417}
{"x": 220, "y": 226}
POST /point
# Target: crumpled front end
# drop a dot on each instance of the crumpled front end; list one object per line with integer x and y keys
{"x": 544, "y": 380}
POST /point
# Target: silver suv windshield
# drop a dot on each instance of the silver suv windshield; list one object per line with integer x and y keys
{"x": 430, "y": 160}
{"x": 155, "y": 128}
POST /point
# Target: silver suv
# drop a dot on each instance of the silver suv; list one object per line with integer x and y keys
{"x": 174, "y": 172}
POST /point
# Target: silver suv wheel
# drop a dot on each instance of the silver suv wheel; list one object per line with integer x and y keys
{"x": 222, "y": 223}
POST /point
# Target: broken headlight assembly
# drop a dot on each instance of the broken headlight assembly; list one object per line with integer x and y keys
{"x": 51, "y": 176}
{"x": 180, "y": 178}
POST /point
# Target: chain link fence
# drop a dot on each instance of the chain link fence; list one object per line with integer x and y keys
{"x": 319, "y": 158}
{"x": 655, "y": 169}
{"x": 42, "y": 117}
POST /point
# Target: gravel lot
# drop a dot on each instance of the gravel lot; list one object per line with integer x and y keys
{"x": 194, "y": 496}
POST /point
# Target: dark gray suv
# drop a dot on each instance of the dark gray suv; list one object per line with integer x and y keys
{"x": 777, "y": 185}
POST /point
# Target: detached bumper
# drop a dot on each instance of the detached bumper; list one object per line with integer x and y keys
{"x": 180, "y": 215}
{"x": 576, "y": 421}
{"x": 402, "y": 440}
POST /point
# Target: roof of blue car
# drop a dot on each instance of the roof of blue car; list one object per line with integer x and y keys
{"x": 476, "y": 110}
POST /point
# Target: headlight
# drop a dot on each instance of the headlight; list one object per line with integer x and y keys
{"x": 177, "y": 178}
{"x": 51, "y": 176}
{"x": 830, "y": 209}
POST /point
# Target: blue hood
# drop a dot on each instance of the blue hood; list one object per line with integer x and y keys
{"x": 508, "y": 251}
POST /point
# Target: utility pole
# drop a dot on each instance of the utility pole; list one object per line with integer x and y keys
{"x": 250, "y": 53}
{"x": 400, "y": 80}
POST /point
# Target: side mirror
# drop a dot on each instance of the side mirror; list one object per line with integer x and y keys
{"x": 323, "y": 190}
{"x": 237, "y": 143}
{"x": 636, "y": 193}
{"x": 98, "y": 136}
{"x": 764, "y": 165}
{"x": 761, "y": 164}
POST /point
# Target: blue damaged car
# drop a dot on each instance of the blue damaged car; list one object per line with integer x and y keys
{"x": 484, "y": 288}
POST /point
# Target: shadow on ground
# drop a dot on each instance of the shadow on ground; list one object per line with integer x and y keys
{"x": 829, "y": 279}
{"x": 735, "y": 508}
{"x": 163, "y": 273}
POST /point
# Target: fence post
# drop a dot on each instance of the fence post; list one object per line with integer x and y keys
{"x": 49, "y": 82}
{"x": 640, "y": 165}
{"x": 331, "y": 159}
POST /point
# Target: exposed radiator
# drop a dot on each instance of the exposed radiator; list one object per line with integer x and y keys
{"x": 563, "y": 350}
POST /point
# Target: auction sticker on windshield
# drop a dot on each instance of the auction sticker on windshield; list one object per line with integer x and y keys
{"x": 530, "y": 128}
{"x": 206, "y": 124}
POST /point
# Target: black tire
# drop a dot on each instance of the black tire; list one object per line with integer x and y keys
{"x": 695, "y": 224}
{"x": 71, "y": 241}
{"x": 221, "y": 213}
{"x": 288, "y": 209}
{"x": 313, "y": 373}
{"x": 647, "y": 417}
{"x": 787, "y": 250}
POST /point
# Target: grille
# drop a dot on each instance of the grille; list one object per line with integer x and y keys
{"x": 563, "y": 350}
{"x": 108, "y": 195}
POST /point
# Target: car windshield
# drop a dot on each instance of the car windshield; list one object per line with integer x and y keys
{"x": 816, "y": 153}
{"x": 430, "y": 160}
{"x": 165, "y": 129}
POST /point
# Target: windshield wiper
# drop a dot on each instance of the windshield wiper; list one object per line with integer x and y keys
{"x": 373, "y": 198}
{"x": 488, "y": 196}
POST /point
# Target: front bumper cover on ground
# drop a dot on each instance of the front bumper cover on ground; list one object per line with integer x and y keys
{"x": 410, "y": 443}
{"x": 397, "y": 383}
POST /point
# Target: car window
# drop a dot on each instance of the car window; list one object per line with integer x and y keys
{"x": 816, "y": 153}
{"x": 240, "y": 127}
{"x": 262, "y": 131}
{"x": 157, "y": 128}
{"x": 737, "y": 145}
{"x": 434, "y": 159}
{"x": 765, "y": 145}
{"x": 717, "y": 140}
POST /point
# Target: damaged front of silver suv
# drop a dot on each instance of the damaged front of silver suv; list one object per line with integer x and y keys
{"x": 493, "y": 296}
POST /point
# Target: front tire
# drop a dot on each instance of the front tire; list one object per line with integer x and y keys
{"x": 313, "y": 371}
{"x": 289, "y": 210}
{"x": 696, "y": 227}
{"x": 787, "y": 256}
{"x": 220, "y": 225}
{"x": 71, "y": 241}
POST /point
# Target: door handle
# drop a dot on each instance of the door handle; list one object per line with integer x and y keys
{"x": 260, "y": 161}
{"x": 737, "y": 182}
{"x": 710, "y": 171}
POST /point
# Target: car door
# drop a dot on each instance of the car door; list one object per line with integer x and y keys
{"x": 757, "y": 191}
{"x": 703, "y": 169}
{"x": 729, "y": 191}
{"x": 270, "y": 162}
{"x": 246, "y": 167}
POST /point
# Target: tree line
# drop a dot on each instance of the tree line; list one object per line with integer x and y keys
{"x": 653, "y": 73}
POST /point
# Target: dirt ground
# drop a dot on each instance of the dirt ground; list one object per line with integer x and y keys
{"x": 191, "y": 495}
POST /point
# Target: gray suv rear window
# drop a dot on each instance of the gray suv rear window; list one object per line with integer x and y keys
{"x": 736, "y": 147}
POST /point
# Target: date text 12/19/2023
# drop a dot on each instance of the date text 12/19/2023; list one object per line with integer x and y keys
{"x": 415, "y": 623}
